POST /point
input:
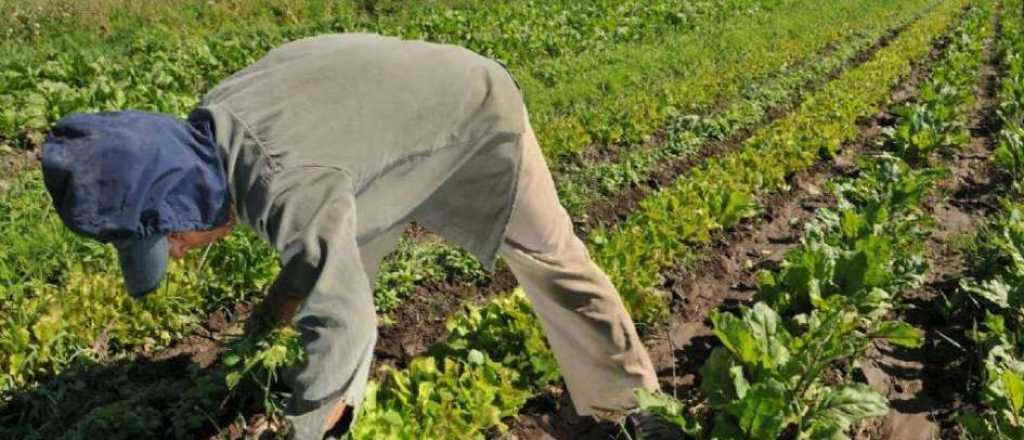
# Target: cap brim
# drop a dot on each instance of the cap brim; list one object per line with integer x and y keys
{"x": 143, "y": 263}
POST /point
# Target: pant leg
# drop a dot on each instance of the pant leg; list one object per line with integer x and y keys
{"x": 592, "y": 335}
{"x": 374, "y": 251}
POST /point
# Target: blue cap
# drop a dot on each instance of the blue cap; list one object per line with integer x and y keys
{"x": 131, "y": 178}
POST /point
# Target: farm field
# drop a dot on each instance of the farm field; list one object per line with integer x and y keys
{"x": 812, "y": 209}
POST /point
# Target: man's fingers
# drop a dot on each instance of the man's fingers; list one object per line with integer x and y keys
{"x": 283, "y": 306}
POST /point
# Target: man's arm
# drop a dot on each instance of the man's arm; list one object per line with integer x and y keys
{"x": 324, "y": 291}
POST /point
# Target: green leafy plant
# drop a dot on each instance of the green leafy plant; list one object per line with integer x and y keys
{"x": 253, "y": 361}
{"x": 937, "y": 121}
{"x": 872, "y": 240}
{"x": 1009, "y": 155}
{"x": 668, "y": 408}
{"x": 456, "y": 399}
{"x": 507, "y": 331}
{"x": 767, "y": 380}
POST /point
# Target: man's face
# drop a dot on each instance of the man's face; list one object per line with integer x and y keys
{"x": 181, "y": 242}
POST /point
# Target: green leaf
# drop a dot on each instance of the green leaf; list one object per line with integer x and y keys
{"x": 668, "y": 408}
{"x": 1014, "y": 386}
{"x": 739, "y": 382}
{"x": 231, "y": 360}
{"x": 995, "y": 323}
{"x": 851, "y": 272}
{"x": 232, "y": 379}
{"x": 717, "y": 380}
{"x": 48, "y": 327}
{"x": 756, "y": 339}
{"x": 995, "y": 291}
{"x": 900, "y": 333}
{"x": 842, "y": 407}
{"x": 762, "y": 412}
{"x": 735, "y": 335}
{"x": 771, "y": 338}
{"x": 475, "y": 357}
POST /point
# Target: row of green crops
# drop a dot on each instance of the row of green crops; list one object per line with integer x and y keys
{"x": 718, "y": 194}
{"x": 817, "y": 269}
{"x": 63, "y": 295}
{"x": 622, "y": 94}
{"x": 534, "y": 29}
{"x": 688, "y": 133}
{"x": 108, "y": 22}
{"x": 770, "y": 374}
{"x": 995, "y": 258}
{"x": 1010, "y": 151}
{"x": 169, "y": 74}
{"x": 828, "y": 118}
{"x": 787, "y": 362}
{"x": 997, "y": 262}
{"x": 597, "y": 102}
{"x": 580, "y": 184}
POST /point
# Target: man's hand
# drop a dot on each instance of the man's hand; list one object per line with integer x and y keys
{"x": 276, "y": 311}
{"x": 282, "y": 307}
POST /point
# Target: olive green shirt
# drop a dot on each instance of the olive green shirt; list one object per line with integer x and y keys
{"x": 334, "y": 140}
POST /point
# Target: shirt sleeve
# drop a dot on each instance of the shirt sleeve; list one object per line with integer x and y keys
{"x": 312, "y": 222}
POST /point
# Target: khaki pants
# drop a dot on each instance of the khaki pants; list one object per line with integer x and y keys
{"x": 593, "y": 338}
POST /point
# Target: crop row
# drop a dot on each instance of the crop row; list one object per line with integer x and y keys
{"x": 397, "y": 407}
{"x": 770, "y": 373}
{"x": 997, "y": 336}
{"x": 528, "y": 30}
{"x": 826, "y": 307}
{"x": 996, "y": 261}
{"x": 580, "y": 184}
{"x": 1009, "y": 154}
{"x": 63, "y": 292}
{"x": 169, "y": 75}
{"x": 786, "y": 363}
{"x": 621, "y": 93}
{"x": 598, "y": 102}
